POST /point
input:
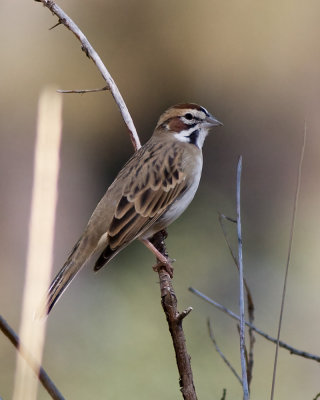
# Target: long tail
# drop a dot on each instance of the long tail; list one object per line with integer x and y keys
{"x": 79, "y": 255}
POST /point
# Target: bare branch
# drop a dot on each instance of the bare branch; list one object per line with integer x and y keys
{"x": 250, "y": 304}
{"x": 91, "y": 53}
{"x": 294, "y": 212}
{"x": 225, "y": 235}
{"x": 241, "y": 291}
{"x": 184, "y": 313}
{"x": 82, "y": 91}
{"x": 174, "y": 319}
{"x": 231, "y": 314}
{"x": 43, "y": 376}
{"x": 220, "y": 352}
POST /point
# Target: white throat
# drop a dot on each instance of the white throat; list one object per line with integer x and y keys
{"x": 195, "y": 136}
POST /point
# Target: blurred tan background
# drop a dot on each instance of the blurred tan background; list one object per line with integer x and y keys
{"x": 255, "y": 65}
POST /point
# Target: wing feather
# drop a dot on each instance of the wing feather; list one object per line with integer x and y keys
{"x": 155, "y": 183}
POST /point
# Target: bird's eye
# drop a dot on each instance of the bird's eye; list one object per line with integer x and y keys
{"x": 188, "y": 116}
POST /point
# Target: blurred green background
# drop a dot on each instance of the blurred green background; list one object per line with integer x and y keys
{"x": 253, "y": 64}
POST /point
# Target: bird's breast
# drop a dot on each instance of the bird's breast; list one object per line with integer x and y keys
{"x": 181, "y": 203}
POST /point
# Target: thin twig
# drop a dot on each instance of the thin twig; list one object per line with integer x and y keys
{"x": 43, "y": 376}
{"x": 252, "y": 341}
{"x": 55, "y": 25}
{"x": 91, "y": 53}
{"x": 284, "y": 345}
{"x": 224, "y": 394}
{"x": 241, "y": 291}
{"x": 174, "y": 319}
{"x": 225, "y": 235}
{"x": 234, "y": 221}
{"x": 184, "y": 313}
{"x": 224, "y": 358}
{"x": 250, "y": 304}
{"x": 294, "y": 212}
{"x": 82, "y": 91}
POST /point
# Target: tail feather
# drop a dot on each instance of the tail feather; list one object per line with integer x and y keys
{"x": 105, "y": 257}
{"x": 79, "y": 255}
{"x": 60, "y": 283}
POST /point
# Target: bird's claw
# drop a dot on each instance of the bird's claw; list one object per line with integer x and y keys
{"x": 164, "y": 265}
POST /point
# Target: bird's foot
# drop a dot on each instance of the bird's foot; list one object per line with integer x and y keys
{"x": 163, "y": 261}
{"x": 166, "y": 265}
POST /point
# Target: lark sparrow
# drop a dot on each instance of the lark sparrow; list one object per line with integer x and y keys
{"x": 152, "y": 190}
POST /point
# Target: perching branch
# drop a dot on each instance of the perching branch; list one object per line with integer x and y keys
{"x": 174, "y": 319}
{"x": 231, "y": 314}
{"x": 43, "y": 376}
{"x": 65, "y": 20}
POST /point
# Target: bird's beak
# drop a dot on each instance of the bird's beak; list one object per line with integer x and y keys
{"x": 212, "y": 121}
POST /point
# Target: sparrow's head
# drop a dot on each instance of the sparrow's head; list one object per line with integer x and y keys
{"x": 188, "y": 123}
